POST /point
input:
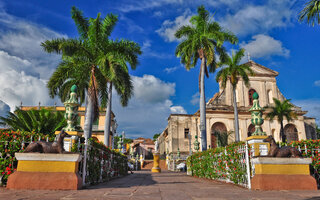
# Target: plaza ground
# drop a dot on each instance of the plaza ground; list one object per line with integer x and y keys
{"x": 166, "y": 185}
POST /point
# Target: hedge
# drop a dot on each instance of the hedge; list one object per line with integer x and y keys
{"x": 224, "y": 163}
{"x": 11, "y": 142}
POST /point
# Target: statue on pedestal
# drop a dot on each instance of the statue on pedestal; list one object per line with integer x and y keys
{"x": 48, "y": 147}
{"x": 156, "y": 146}
{"x": 196, "y": 144}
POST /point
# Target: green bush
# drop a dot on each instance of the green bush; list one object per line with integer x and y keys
{"x": 311, "y": 152}
{"x": 98, "y": 158}
{"x": 219, "y": 163}
{"x": 10, "y": 143}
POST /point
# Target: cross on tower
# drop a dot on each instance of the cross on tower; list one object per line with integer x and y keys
{"x": 248, "y": 55}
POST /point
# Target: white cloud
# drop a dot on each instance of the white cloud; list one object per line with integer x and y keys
{"x": 177, "y": 110}
{"x": 220, "y": 3}
{"x": 317, "y": 83}
{"x": 147, "y": 4}
{"x": 264, "y": 46}
{"x": 260, "y": 18}
{"x": 169, "y": 28}
{"x": 149, "y": 52}
{"x": 149, "y": 108}
{"x": 150, "y": 89}
{"x": 171, "y": 69}
{"x": 310, "y": 105}
{"x": 195, "y": 99}
{"x": 24, "y": 66}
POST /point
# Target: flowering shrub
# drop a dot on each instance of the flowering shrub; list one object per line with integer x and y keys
{"x": 309, "y": 149}
{"x": 226, "y": 163}
{"x": 102, "y": 162}
{"x": 10, "y": 143}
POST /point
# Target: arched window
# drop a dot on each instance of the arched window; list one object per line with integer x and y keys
{"x": 291, "y": 133}
{"x": 252, "y": 129}
{"x": 217, "y": 128}
{"x": 251, "y": 92}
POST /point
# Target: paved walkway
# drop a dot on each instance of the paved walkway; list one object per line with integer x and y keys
{"x": 167, "y": 185}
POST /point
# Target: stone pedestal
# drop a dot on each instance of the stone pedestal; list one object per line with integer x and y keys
{"x": 282, "y": 174}
{"x": 259, "y": 148}
{"x": 156, "y": 161}
{"x": 40, "y": 171}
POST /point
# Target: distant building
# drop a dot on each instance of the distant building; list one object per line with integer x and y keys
{"x": 98, "y": 125}
{"x": 143, "y": 146}
{"x": 220, "y": 115}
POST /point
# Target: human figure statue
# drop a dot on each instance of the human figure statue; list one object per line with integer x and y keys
{"x": 156, "y": 145}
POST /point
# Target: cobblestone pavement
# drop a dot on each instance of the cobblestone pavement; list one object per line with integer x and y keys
{"x": 166, "y": 185}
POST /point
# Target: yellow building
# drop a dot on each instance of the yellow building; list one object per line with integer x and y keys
{"x": 98, "y": 125}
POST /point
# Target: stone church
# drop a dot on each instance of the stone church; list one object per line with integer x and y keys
{"x": 182, "y": 128}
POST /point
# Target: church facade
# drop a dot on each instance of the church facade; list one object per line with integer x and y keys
{"x": 182, "y": 128}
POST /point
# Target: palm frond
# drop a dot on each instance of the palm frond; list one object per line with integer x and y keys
{"x": 311, "y": 12}
{"x": 81, "y": 22}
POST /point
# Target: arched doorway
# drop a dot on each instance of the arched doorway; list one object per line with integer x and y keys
{"x": 217, "y": 128}
{"x": 252, "y": 129}
{"x": 251, "y": 92}
{"x": 291, "y": 133}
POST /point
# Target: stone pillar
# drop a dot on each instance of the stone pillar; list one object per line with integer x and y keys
{"x": 156, "y": 161}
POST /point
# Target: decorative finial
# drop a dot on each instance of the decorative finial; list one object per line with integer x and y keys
{"x": 71, "y": 114}
{"x": 21, "y": 105}
{"x": 74, "y": 88}
{"x": 248, "y": 55}
{"x": 256, "y": 115}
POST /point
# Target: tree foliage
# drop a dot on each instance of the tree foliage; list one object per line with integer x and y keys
{"x": 311, "y": 12}
{"x": 232, "y": 71}
{"x": 281, "y": 110}
{"x": 44, "y": 121}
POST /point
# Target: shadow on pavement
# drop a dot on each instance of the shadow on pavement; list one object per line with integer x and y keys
{"x": 314, "y": 198}
{"x": 136, "y": 179}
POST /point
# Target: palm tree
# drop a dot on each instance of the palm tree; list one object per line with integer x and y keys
{"x": 202, "y": 40}
{"x": 311, "y": 12}
{"x": 44, "y": 121}
{"x": 104, "y": 60}
{"x": 117, "y": 75}
{"x": 281, "y": 110}
{"x": 232, "y": 72}
{"x": 79, "y": 64}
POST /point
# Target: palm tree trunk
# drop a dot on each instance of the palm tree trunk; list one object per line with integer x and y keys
{"x": 107, "y": 122}
{"x": 283, "y": 137}
{"x": 236, "y": 120}
{"x": 87, "y": 129}
{"x": 203, "y": 129}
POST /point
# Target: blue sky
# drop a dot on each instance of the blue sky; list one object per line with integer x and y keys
{"x": 269, "y": 30}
